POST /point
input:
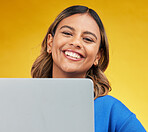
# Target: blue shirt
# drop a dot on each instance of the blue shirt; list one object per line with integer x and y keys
{"x": 113, "y": 116}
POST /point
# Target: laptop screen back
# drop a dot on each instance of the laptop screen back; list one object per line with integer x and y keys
{"x": 46, "y": 105}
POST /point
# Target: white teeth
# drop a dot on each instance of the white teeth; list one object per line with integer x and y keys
{"x": 75, "y": 55}
{"x": 71, "y": 54}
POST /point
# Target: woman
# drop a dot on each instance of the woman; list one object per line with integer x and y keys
{"x": 76, "y": 46}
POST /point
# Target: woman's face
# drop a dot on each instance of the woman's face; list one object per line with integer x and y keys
{"x": 75, "y": 46}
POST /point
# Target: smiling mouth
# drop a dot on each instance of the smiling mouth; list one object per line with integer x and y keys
{"x": 73, "y": 54}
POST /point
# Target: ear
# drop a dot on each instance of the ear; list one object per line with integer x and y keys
{"x": 49, "y": 43}
{"x": 98, "y": 56}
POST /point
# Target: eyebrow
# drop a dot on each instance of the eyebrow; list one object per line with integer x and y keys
{"x": 65, "y": 26}
{"x": 86, "y": 32}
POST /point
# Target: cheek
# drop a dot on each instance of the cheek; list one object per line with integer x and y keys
{"x": 55, "y": 45}
{"x": 92, "y": 52}
{"x": 58, "y": 42}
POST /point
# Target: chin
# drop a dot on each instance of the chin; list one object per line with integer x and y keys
{"x": 74, "y": 73}
{"x": 69, "y": 70}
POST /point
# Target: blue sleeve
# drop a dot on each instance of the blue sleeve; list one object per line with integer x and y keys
{"x": 123, "y": 119}
{"x": 113, "y": 116}
{"x": 132, "y": 124}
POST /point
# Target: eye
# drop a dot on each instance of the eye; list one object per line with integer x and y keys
{"x": 88, "y": 40}
{"x": 67, "y": 33}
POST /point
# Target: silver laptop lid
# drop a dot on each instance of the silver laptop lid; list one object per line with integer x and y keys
{"x": 46, "y": 105}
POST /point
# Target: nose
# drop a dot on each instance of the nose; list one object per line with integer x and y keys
{"x": 76, "y": 42}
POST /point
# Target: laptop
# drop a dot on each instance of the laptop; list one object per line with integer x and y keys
{"x": 46, "y": 105}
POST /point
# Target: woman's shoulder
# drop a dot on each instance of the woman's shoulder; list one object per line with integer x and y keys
{"x": 109, "y": 102}
{"x": 114, "y": 115}
{"x": 112, "y": 107}
{"x": 107, "y": 98}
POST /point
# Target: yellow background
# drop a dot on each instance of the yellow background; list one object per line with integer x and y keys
{"x": 24, "y": 24}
